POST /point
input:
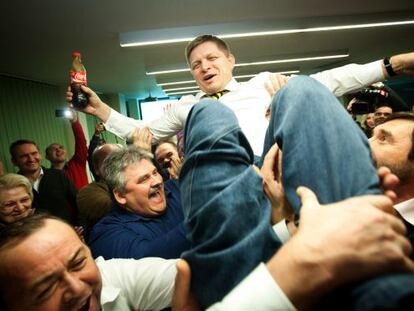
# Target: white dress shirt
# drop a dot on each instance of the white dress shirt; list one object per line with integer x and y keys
{"x": 129, "y": 284}
{"x": 406, "y": 210}
{"x": 249, "y": 101}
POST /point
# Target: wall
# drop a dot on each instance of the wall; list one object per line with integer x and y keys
{"x": 27, "y": 111}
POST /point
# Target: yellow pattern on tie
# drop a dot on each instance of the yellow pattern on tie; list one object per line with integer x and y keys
{"x": 216, "y": 95}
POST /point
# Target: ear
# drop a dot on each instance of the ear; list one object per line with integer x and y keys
{"x": 119, "y": 197}
{"x": 232, "y": 60}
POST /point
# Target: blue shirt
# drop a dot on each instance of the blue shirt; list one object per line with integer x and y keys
{"x": 123, "y": 234}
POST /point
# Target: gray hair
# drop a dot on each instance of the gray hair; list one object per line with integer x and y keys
{"x": 11, "y": 180}
{"x": 114, "y": 165}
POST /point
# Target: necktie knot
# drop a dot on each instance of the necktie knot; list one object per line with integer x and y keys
{"x": 216, "y": 95}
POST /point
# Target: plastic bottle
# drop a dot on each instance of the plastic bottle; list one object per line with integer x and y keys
{"x": 78, "y": 78}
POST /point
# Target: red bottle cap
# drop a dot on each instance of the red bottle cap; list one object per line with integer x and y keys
{"x": 76, "y": 54}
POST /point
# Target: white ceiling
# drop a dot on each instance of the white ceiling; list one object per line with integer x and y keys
{"x": 38, "y": 36}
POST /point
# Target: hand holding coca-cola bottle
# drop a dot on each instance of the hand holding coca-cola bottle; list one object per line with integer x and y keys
{"x": 78, "y": 78}
{"x": 95, "y": 105}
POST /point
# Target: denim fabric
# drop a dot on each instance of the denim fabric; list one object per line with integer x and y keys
{"x": 227, "y": 214}
{"x": 323, "y": 148}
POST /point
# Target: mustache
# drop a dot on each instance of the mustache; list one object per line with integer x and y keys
{"x": 154, "y": 189}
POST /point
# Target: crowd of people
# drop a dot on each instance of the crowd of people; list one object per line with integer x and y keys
{"x": 272, "y": 199}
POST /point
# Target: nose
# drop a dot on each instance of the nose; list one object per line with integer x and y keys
{"x": 20, "y": 206}
{"x": 205, "y": 65}
{"x": 156, "y": 180}
{"x": 75, "y": 289}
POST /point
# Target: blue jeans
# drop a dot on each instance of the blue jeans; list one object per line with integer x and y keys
{"x": 227, "y": 214}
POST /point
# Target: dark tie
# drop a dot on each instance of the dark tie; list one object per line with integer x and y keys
{"x": 216, "y": 95}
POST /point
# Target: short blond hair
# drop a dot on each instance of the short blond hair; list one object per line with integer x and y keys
{"x": 11, "y": 180}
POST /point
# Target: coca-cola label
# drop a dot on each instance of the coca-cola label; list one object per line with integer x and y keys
{"x": 78, "y": 77}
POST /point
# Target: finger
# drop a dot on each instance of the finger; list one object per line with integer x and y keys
{"x": 307, "y": 197}
{"x": 269, "y": 167}
{"x": 380, "y": 202}
{"x": 404, "y": 244}
{"x": 87, "y": 90}
{"x": 396, "y": 224}
{"x": 269, "y": 88}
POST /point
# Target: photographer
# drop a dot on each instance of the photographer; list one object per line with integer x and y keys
{"x": 75, "y": 168}
{"x": 378, "y": 99}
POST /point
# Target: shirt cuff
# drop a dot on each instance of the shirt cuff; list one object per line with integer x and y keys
{"x": 248, "y": 296}
{"x": 282, "y": 231}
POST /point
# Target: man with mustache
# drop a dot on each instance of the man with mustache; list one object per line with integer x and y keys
{"x": 147, "y": 218}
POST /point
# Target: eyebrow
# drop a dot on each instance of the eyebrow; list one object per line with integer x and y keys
{"x": 385, "y": 133}
{"x": 53, "y": 275}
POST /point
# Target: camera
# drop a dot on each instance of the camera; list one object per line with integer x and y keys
{"x": 367, "y": 100}
{"x": 63, "y": 113}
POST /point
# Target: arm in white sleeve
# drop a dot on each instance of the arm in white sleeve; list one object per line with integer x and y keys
{"x": 258, "y": 291}
{"x": 167, "y": 125}
{"x": 145, "y": 284}
{"x": 350, "y": 78}
{"x": 122, "y": 126}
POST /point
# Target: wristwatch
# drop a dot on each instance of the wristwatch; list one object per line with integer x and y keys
{"x": 388, "y": 67}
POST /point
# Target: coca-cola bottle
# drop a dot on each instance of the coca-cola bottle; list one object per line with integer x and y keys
{"x": 78, "y": 78}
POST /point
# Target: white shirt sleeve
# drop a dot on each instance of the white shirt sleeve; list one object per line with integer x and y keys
{"x": 172, "y": 121}
{"x": 122, "y": 126}
{"x": 350, "y": 78}
{"x": 258, "y": 291}
{"x": 282, "y": 231}
{"x": 145, "y": 284}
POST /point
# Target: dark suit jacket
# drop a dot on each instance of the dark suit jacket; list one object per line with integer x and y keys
{"x": 57, "y": 196}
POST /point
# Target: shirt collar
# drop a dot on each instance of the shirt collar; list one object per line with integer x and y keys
{"x": 406, "y": 210}
{"x": 232, "y": 86}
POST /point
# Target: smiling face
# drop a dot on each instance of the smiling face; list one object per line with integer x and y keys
{"x": 55, "y": 153}
{"x": 15, "y": 204}
{"x": 144, "y": 190}
{"x": 50, "y": 270}
{"x": 27, "y": 158}
{"x": 164, "y": 154}
{"x": 211, "y": 67}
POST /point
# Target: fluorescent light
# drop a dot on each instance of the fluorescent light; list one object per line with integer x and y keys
{"x": 182, "y": 88}
{"x": 292, "y": 60}
{"x": 277, "y": 61}
{"x": 146, "y": 37}
{"x": 182, "y": 92}
{"x": 175, "y": 83}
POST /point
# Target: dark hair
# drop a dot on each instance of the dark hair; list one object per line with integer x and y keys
{"x": 19, "y": 142}
{"x": 406, "y": 116}
{"x": 13, "y": 233}
{"x": 206, "y": 38}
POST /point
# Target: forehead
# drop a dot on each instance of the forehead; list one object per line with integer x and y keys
{"x": 398, "y": 127}
{"x": 203, "y": 49}
{"x": 165, "y": 147}
{"x": 7, "y": 194}
{"x": 56, "y": 146}
{"x": 26, "y": 148}
{"x": 41, "y": 253}
{"x": 384, "y": 109}
{"x": 139, "y": 168}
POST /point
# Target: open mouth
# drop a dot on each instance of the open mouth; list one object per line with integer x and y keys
{"x": 209, "y": 77}
{"x": 85, "y": 307}
{"x": 154, "y": 193}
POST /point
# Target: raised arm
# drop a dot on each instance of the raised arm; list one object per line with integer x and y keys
{"x": 353, "y": 77}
